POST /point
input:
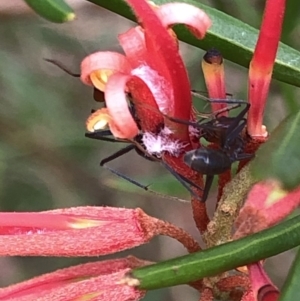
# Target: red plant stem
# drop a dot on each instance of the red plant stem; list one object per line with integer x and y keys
{"x": 200, "y": 215}
{"x": 207, "y": 295}
{"x": 168, "y": 229}
{"x": 231, "y": 282}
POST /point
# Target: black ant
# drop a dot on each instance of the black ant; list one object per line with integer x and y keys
{"x": 225, "y": 131}
{"x": 137, "y": 145}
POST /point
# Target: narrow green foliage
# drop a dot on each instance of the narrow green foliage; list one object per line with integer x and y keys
{"x": 53, "y": 10}
{"x": 235, "y": 39}
{"x": 222, "y": 258}
{"x": 279, "y": 157}
{"x": 290, "y": 290}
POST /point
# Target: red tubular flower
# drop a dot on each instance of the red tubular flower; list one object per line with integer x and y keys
{"x": 262, "y": 287}
{"x": 152, "y": 70}
{"x": 81, "y": 231}
{"x": 261, "y": 66}
{"x": 154, "y": 75}
{"x": 266, "y": 293}
{"x": 214, "y": 75}
{"x": 267, "y": 204}
{"x": 99, "y": 281}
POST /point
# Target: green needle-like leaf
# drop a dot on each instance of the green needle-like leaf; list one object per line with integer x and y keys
{"x": 57, "y": 11}
{"x": 290, "y": 290}
{"x": 222, "y": 258}
{"x": 279, "y": 157}
{"x": 235, "y": 39}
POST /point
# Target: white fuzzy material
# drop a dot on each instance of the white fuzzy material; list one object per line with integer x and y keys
{"x": 194, "y": 131}
{"x": 159, "y": 87}
{"x": 157, "y": 144}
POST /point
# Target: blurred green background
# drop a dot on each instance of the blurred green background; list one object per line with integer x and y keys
{"x": 45, "y": 160}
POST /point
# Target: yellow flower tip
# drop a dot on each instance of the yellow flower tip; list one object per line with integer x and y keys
{"x": 129, "y": 280}
{"x": 277, "y": 194}
{"x": 82, "y": 223}
{"x": 70, "y": 17}
{"x": 152, "y": 4}
{"x": 99, "y": 78}
{"x": 243, "y": 269}
{"x": 98, "y": 120}
{"x": 263, "y": 133}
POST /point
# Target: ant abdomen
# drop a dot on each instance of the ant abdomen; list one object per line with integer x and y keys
{"x": 207, "y": 161}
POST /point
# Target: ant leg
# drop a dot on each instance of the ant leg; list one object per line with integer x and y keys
{"x": 117, "y": 154}
{"x": 233, "y": 133}
{"x": 208, "y": 182}
{"x": 244, "y": 156}
{"x": 145, "y": 187}
{"x": 100, "y": 135}
{"x": 183, "y": 180}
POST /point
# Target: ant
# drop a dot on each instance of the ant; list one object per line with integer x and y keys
{"x": 225, "y": 131}
{"x": 135, "y": 144}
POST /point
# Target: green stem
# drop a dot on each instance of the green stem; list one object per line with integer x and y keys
{"x": 222, "y": 258}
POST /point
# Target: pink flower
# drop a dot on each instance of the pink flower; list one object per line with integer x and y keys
{"x": 152, "y": 71}
{"x": 82, "y": 231}
{"x": 152, "y": 74}
{"x": 99, "y": 281}
{"x": 266, "y": 204}
{"x": 261, "y": 286}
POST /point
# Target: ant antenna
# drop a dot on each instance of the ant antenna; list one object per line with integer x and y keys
{"x": 145, "y": 187}
{"x": 62, "y": 67}
{"x": 126, "y": 178}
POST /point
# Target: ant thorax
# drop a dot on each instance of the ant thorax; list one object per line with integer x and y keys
{"x": 156, "y": 144}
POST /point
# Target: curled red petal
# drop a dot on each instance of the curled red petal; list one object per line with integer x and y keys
{"x": 100, "y": 280}
{"x": 184, "y": 13}
{"x": 158, "y": 85}
{"x": 103, "y": 60}
{"x": 133, "y": 44}
{"x": 115, "y": 96}
{"x": 166, "y": 61}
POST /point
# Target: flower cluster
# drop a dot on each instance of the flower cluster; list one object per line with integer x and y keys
{"x": 148, "y": 103}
